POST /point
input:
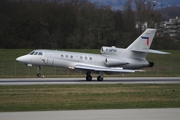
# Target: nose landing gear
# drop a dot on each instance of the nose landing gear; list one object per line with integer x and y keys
{"x": 39, "y": 71}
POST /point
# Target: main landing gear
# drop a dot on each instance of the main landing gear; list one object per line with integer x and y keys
{"x": 39, "y": 71}
{"x": 99, "y": 78}
{"x": 88, "y": 76}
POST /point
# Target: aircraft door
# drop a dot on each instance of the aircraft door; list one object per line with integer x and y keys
{"x": 50, "y": 59}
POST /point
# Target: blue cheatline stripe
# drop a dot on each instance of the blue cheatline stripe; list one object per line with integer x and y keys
{"x": 144, "y": 37}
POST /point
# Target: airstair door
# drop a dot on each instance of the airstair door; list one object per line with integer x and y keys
{"x": 50, "y": 59}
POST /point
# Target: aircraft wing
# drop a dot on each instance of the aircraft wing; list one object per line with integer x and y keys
{"x": 103, "y": 69}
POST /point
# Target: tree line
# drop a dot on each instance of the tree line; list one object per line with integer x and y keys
{"x": 56, "y": 24}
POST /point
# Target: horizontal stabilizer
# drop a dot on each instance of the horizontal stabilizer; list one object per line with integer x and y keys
{"x": 149, "y": 51}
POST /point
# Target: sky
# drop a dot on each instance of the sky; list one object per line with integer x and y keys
{"x": 118, "y": 4}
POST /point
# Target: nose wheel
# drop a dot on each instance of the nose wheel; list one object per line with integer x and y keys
{"x": 39, "y": 71}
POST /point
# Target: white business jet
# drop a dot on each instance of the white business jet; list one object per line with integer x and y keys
{"x": 111, "y": 59}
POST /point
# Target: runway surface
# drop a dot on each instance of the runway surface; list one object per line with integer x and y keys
{"x": 123, "y": 80}
{"x": 119, "y": 114}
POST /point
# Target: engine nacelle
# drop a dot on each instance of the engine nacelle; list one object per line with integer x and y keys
{"x": 114, "y": 62}
{"x": 109, "y": 50}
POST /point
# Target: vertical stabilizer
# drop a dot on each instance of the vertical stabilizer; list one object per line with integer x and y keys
{"x": 144, "y": 40}
{"x": 140, "y": 47}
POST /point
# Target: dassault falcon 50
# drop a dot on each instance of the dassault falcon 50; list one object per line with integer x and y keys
{"x": 111, "y": 59}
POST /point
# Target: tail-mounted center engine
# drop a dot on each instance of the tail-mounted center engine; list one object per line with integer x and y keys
{"x": 109, "y": 50}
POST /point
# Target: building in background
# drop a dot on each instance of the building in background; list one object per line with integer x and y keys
{"x": 170, "y": 28}
{"x": 166, "y": 28}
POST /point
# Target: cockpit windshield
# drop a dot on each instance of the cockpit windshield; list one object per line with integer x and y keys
{"x": 31, "y": 53}
{"x": 35, "y": 53}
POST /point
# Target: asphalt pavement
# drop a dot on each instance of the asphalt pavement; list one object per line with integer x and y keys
{"x": 122, "y": 80}
{"x": 112, "y": 114}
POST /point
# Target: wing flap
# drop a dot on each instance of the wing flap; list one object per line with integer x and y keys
{"x": 104, "y": 69}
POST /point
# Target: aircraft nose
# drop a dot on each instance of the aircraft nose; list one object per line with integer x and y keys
{"x": 21, "y": 59}
{"x": 18, "y": 59}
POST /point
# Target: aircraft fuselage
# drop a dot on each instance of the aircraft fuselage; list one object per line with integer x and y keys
{"x": 69, "y": 59}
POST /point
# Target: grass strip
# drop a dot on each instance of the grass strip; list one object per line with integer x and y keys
{"x": 82, "y": 97}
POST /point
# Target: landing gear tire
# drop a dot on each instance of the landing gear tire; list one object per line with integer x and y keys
{"x": 88, "y": 78}
{"x": 99, "y": 78}
{"x": 39, "y": 75}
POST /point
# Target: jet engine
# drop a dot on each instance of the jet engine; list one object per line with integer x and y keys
{"x": 114, "y": 62}
{"x": 109, "y": 50}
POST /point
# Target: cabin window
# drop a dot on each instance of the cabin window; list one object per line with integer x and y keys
{"x": 86, "y": 58}
{"x": 62, "y": 56}
{"x": 81, "y": 57}
{"x": 40, "y": 53}
{"x": 71, "y": 57}
{"x": 90, "y": 58}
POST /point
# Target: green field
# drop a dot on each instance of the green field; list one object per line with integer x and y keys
{"x": 83, "y": 97}
{"x": 165, "y": 65}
